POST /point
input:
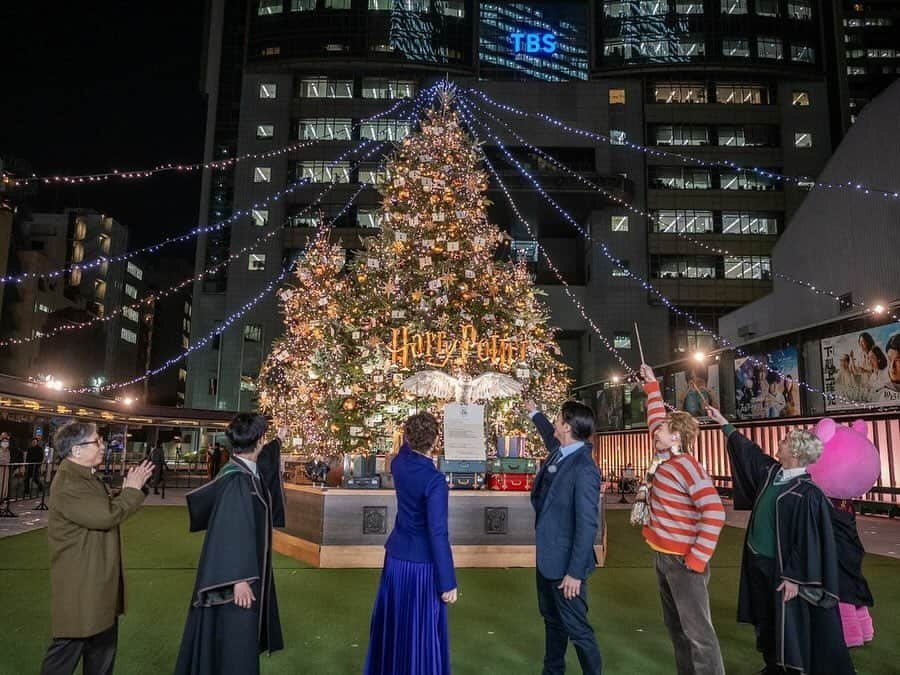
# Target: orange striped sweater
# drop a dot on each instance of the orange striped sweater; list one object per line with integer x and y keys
{"x": 686, "y": 513}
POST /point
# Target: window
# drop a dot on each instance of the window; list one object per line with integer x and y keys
{"x": 382, "y": 88}
{"x": 318, "y": 171}
{"x": 856, "y": 70}
{"x": 42, "y": 308}
{"x": 882, "y": 53}
{"x": 405, "y": 5}
{"x": 105, "y": 242}
{"x": 265, "y": 131}
{"x": 262, "y": 174}
{"x": 367, "y": 217}
{"x": 80, "y": 229}
{"x": 253, "y": 332}
{"x": 182, "y": 374}
{"x": 617, "y": 137}
{"x": 734, "y": 6}
{"x": 130, "y": 313}
{"x": 744, "y": 181}
{"x": 186, "y": 325}
{"x": 748, "y": 222}
{"x": 385, "y": 129}
{"x": 800, "y": 98}
{"x": 303, "y": 5}
{"x": 803, "y": 139}
{"x": 187, "y": 308}
{"x": 686, "y": 92}
{"x": 130, "y": 291}
{"x": 748, "y": 267}
{"x": 803, "y": 54}
{"x": 622, "y": 341}
{"x": 767, "y": 7}
{"x": 77, "y": 251}
{"x": 735, "y": 47}
{"x": 616, "y": 9}
{"x": 689, "y": 6}
{"x": 372, "y": 175}
{"x": 75, "y": 276}
{"x": 267, "y": 7}
{"x": 128, "y": 335}
{"x": 688, "y": 267}
{"x": 800, "y": 9}
{"x": 769, "y": 48}
{"x": 338, "y": 4}
{"x": 696, "y": 222}
{"x": 750, "y": 136}
{"x": 322, "y": 87}
{"x": 328, "y": 128}
{"x": 455, "y": 9}
{"x": 525, "y": 250}
{"x": 135, "y": 271}
{"x": 617, "y": 97}
{"x": 268, "y": 90}
{"x": 256, "y": 262}
{"x": 679, "y": 178}
{"x": 618, "y": 223}
{"x": 260, "y": 217}
{"x": 690, "y": 47}
{"x": 270, "y": 51}
{"x": 303, "y": 218}
{"x": 621, "y": 270}
{"x": 753, "y": 94}
{"x": 336, "y": 47}
{"x": 681, "y": 135}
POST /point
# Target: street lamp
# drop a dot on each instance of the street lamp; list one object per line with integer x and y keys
{"x": 699, "y": 357}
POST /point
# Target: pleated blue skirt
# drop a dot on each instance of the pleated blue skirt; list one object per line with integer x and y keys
{"x": 408, "y": 634}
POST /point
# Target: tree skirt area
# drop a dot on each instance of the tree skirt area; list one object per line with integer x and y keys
{"x": 494, "y": 628}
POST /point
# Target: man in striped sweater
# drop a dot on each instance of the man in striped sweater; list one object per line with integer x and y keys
{"x": 686, "y": 517}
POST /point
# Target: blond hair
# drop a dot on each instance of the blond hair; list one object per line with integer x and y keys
{"x": 804, "y": 445}
{"x": 683, "y": 424}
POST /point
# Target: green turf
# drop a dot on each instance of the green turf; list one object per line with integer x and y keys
{"x": 494, "y": 628}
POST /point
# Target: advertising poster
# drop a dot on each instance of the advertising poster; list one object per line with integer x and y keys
{"x": 765, "y": 385}
{"x": 863, "y": 367}
{"x": 697, "y": 387}
{"x": 610, "y": 401}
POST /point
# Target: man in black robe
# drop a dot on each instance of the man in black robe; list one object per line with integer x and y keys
{"x": 789, "y": 573}
{"x": 233, "y": 616}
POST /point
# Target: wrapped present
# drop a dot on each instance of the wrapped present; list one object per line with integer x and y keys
{"x": 357, "y": 483}
{"x": 512, "y": 465}
{"x": 511, "y": 482}
{"x": 465, "y": 481}
{"x": 511, "y": 446}
{"x": 461, "y": 465}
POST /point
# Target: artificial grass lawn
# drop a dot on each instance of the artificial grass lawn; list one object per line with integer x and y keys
{"x": 495, "y": 627}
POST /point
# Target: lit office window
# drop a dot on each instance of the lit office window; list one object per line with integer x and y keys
{"x": 735, "y": 47}
{"x": 256, "y": 262}
{"x": 800, "y": 98}
{"x": 618, "y": 223}
{"x": 130, "y": 313}
{"x": 322, "y": 87}
{"x": 130, "y": 291}
{"x": 384, "y": 88}
{"x": 260, "y": 217}
{"x": 666, "y": 134}
{"x": 679, "y": 92}
{"x": 748, "y": 222}
{"x": 326, "y": 129}
{"x": 128, "y": 335}
{"x": 268, "y": 90}
{"x": 800, "y": 9}
{"x": 767, "y": 7}
{"x": 803, "y": 54}
{"x": 135, "y": 271}
{"x": 265, "y": 131}
{"x": 751, "y": 94}
{"x": 748, "y": 267}
{"x": 679, "y": 220}
{"x": 769, "y": 48}
{"x": 622, "y": 341}
{"x": 803, "y": 139}
{"x": 621, "y": 270}
{"x": 324, "y": 172}
{"x": 262, "y": 174}
{"x": 303, "y": 5}
{"x": 617, "y": 97}
{"x": 734, "y": 6}
{"x": 368, "y": 218}
{"x": 267, "y": 7}
{"x": 385, "y": 129}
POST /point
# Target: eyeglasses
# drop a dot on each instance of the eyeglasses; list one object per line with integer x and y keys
{"x": 96, "y": 441}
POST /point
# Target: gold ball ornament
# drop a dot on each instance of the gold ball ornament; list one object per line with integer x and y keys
{"x": 349, "y": 404}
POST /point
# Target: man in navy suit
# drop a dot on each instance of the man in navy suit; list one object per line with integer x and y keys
{"x": 565, "y": 498}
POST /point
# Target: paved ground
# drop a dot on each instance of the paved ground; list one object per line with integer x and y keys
{"x": 879, "y": 534}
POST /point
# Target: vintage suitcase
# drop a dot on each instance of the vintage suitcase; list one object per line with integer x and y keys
{"x": 364, "y": 483}
{"x": 512, "y": 465}
{"x": 465, "y": 481}
{"x": 461, "y": 465}
{"x": 511, "y": 482}
{"x": 511, "y": 446}
{"x": 387, "y": 481}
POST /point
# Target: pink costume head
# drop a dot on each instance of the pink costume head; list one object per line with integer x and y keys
{"x": 849, "y": 464}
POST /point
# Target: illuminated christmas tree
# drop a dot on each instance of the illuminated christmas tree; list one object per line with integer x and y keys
{"x": 426, "y": 293}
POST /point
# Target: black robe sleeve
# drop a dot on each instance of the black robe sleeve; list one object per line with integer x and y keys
{"x": 229, "y": 552}
{"x": 854, "y": 589}
{"x": 749, "y": 469}
{"x": 811, "y": 559}
{"x": 269, "y": 465}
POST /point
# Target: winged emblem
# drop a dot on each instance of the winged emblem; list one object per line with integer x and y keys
{"x": 463, "y": 389}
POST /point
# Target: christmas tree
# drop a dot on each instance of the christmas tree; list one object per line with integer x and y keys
{"x": 426, "y": 293}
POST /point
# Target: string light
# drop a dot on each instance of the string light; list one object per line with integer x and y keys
{"x": 646, "y": 284}
{"x": 876, "y": 309}
{"x": 687, "y": 159}
{"x": 80, "y": 179}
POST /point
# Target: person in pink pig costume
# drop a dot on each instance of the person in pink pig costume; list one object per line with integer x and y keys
{"x": 848, "y": 468}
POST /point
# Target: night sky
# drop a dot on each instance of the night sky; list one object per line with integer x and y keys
{"x": 107, "y": 84}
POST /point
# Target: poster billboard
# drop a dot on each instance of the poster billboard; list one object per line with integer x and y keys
{"x": 697, "y": 387}
{"x": 862, "y": 367}
{"x": 610, "y": 401}
{"x": 765, "y": 385}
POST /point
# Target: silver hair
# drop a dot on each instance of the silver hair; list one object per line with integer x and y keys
{"x": 71, "y": 434}
{"x": 804, "y": 445}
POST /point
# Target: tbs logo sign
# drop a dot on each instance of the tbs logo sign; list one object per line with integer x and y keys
{"x": 533, "y": 43}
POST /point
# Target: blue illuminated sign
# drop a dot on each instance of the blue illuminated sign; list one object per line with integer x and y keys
{"x": 533, "y": 43}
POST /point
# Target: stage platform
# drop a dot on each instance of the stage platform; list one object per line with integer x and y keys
{"x": 336, "y": 528}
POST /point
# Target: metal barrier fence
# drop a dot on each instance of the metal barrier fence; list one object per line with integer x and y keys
{"x": 16, "y": 483}
{"x": 619, "y": 448}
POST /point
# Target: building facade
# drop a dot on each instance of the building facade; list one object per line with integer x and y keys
{"x": 742, "y": 81}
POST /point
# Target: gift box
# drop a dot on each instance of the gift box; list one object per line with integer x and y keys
{"x": 465, "y": 481}
{"x": 461, "y": 465}
{"x": 512, "y": 465}
{"x": 358, "y": 483}
{"x": 511, "y": 446}
{"x": 511, "y": 482}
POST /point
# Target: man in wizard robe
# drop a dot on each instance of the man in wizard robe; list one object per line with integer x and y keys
{"x": 789, "y": 584}
{"x": 233, "y": 616}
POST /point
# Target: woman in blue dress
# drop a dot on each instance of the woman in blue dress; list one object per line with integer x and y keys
{"x": 408, "y": 634}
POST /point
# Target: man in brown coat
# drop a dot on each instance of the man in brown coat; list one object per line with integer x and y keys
{"x": 87, "y": 588}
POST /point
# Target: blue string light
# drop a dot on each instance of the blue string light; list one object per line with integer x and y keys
{"x": 687, "y": 159}
{"x": 691, "y": 319}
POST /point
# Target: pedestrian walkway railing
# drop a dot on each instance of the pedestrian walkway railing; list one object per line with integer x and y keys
{"x": 24, "y": 483}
